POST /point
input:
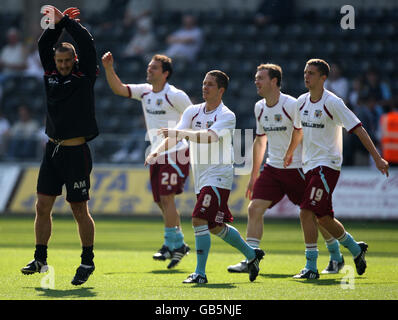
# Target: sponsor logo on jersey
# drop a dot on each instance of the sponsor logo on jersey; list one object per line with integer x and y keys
{"x": 155, "y": 111}
{"x": 53, "y": 81}
{"x": 312, "y": 125}
{"x": 274, "y": 129}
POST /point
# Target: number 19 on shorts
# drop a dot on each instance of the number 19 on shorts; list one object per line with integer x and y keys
{"x": 316, "y": 194}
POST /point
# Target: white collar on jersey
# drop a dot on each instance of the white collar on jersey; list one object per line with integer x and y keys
{"x": 210, "y": 112}
{"x": 165, "y": 88}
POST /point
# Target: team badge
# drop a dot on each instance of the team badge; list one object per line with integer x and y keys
{"x": 318, "y": 113}
{"x": 209, "y": 124}
{"x": 278, "y": 117}
{"x": 159, "y": 102}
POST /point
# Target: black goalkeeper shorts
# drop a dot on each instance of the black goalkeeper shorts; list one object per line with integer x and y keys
{"x": 66, "y": 165}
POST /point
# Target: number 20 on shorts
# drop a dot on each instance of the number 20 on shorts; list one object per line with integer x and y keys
{"x": 169, "y": 178}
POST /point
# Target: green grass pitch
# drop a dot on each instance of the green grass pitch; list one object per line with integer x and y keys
{"x": 125, "y": 269}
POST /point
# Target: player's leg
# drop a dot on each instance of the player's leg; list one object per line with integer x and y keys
{"x": 336, "y": 259}
{"x": 310, "y": 231}
{"x": 255, "y": 225}
{"x": 78, "y": 166}
{"x": 43, "y": 227}
{"x": 357, "y": 249}
{"x": 254, "y": 233}
{"x": 218, "y": 218}
{"x": 174, "y": 238}
{"x": 202, "y": 246}
{"x": 48, "y": 187}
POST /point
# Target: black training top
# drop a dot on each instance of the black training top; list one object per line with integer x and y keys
{"x": 70, "y": 99}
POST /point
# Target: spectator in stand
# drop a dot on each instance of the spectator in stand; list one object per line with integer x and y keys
{"x": 337, "y": 83}
{"x": 138, "y": 10}
{"x": 4, "y": 128}
{"x": 273, "y": 12}
{"x": 142, "y": 43}
{"x": 186, "y": 42}
{"x": 377, "y": 88}
{"x": 369, "y": 112}
{"x": 12, "y": 56}
{"x": 22, "y": 135}
{"x": 356, "y": 89}
{"x": 33, "y": 65}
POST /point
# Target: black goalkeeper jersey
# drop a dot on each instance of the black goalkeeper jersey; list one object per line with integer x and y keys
{"x": 70, "y": 99}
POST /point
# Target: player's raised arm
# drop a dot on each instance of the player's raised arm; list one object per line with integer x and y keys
{"x": 117, "y": 86}
{"x": 49, "y": 37}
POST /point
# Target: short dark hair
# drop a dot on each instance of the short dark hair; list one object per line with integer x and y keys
{"x": 167, "y": 63}
{"x": 66, "y": 47}
{"x": 322, "y": 66}
{"x": 222, "y": 79}
{"x": 274, "y": 71}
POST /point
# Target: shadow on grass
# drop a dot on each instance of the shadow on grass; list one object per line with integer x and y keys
{"x": 166, "y": 271}
{"x": 72, "y": 293}
{"x": 275, "y": 275}
{"x": 213, "y": 285}
{"x": 319, "y": 282}
{"x": 124, "y": 272}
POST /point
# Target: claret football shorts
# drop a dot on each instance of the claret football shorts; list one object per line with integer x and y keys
{"x": 168, "y": 176}
{"x": 212, "y": 205}
{"x": 274, "y": 183}
{"x": 319, "y": 185}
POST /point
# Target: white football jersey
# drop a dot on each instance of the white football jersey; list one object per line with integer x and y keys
{"x": 161, "y": 110}
{"x": 211, "y": 163}
{"x": 277, "y": 123}
{"x": 322, "y": 123}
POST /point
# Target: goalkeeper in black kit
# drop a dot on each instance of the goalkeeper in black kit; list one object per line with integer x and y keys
{"x": 69, "y": 82}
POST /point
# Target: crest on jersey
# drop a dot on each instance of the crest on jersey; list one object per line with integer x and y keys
{"x": 278, "y": 117}
{"x": 318, "y": 113}
{"x": 159, "y": 102}
{"x": 209, "y": 124}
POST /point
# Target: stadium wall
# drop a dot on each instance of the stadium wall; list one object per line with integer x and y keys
{"x": 125, "y": 190}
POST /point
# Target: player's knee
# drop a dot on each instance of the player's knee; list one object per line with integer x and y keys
{"x": 256, "y": 210}
{"x": 79, "y": 209}
{"x": 43, "y": 208}
{"x": 166, "y": 201}
{"x": 217, "y": 229}
{"x": 306, "y": 214}
{"x": 325, "y": 220}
